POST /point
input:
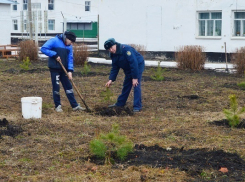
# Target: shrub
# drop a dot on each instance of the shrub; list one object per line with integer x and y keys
{"x": 26, "y": 64}
{"x": 107, "y": 144}
{"x": 158, "y": 73}
{"x": 232, "y": 115}
{"x": 190, "y": 57}
{"x": 80, "y": 54}
{"x": 86, "y": 68}
{"x": 28, "y": 48}
{"x": 139, "y": 48}
{"x": 239, "y": 60}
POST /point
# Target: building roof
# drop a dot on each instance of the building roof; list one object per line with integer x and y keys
{"x": 78, "y": 21}
{"x": 6, "y": 2}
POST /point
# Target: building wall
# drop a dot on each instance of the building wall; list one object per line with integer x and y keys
{"x": 165, "y": 25}
{"x": 6, "y": 22}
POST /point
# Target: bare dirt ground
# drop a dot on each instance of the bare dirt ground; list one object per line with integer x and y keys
{"x": 180, "y": 135}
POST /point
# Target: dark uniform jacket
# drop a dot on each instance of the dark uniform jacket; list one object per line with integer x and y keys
{"x": 127, "y": 58}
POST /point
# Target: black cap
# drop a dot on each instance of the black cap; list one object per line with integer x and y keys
{"x": 71, "y": 36}
{"x": 110, "y": 42}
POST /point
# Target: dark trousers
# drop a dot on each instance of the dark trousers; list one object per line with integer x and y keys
{"x": 56, "y": 78}
{"x": 127, "y": 86}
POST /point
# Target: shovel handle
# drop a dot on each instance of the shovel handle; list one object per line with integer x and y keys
{"x": 73, "y": 84}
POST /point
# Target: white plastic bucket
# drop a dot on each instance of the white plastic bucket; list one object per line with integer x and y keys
{"x": 31, "y": 107}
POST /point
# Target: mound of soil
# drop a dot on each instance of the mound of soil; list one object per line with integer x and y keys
{"x": 225, "y": 123}
{"x": 192, "y": 161}
{"x": 3, "y": 122}
{"x": 9, "y": 130}
{"x": 115, "y": 111}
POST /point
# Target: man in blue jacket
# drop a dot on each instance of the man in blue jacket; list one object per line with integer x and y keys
{"x": 133, "y": 64}
{"x": 60, "y": 48}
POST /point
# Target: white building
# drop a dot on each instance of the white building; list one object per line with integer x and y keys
{"x": 5, "y": 19}
{"x": 50, "y": 17}
{"x": 165, "y": 25}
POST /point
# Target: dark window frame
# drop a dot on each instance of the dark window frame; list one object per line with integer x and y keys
{"x": 50, "y": 4}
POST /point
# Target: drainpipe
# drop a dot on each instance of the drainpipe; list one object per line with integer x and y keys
{"x": 98, "y": 32}
{"x": 226, "y": 59}
{"x": 30, "y": 19}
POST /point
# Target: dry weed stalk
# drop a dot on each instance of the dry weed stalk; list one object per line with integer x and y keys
{"x": 80, "y": 54}
{"x": 190, "y": 57}
{"x": 239, "y": 60}
{"x": 28, "y": 48}
{"x": 139, "y": 48}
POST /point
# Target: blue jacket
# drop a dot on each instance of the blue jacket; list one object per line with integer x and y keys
{"x": 127, "y": 58}
{"x": 56, "y": 47}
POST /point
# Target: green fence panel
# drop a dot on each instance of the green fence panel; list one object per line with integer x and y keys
{"x": 87, "y": 33}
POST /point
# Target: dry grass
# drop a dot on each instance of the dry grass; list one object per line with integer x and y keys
{"x": 239, "y": 60}
{"x": 190, "y": 57}
{"x": 56, "y": 147}
{"x": 29, "y": 49}
{"x": 80, "y": 54}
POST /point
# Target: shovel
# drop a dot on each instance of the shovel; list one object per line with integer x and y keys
{"x": 73, "y": 84}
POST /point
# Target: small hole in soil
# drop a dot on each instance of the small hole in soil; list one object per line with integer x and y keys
{"x": 190, "y": 97}
{"x": 225, "y": 123}
{"x": 147, "y": 78}
{"x": 90, "y": 74}
{"x": 115, "y": 111}
{"x": 232, "y": 86}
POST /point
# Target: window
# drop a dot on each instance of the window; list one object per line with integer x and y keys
{"x": 15, "y": 6}
{"x": 36, "y": 5}
{"x": 25, "y": 2}
{"x": 15, "y": 24}
{"x": 210, "y": 24}
{"x": 51, "y": 24}
{"x": 79, "y": 26}
{"x": 50, "y": 4}
{"x": 25, "y": 24}
{"x": 239, "y": 24}
{"x": 87, "y": 5}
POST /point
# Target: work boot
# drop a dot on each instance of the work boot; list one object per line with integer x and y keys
{"x": 78, "y": 108}
{"x": 136, "y": 110}
{"x": 58, "y": 109}
{"x": 113, "y": 105}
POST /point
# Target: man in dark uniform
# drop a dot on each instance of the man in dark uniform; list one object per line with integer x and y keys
{"x": 133, "y": 64}
{"x": 60, "y": 48}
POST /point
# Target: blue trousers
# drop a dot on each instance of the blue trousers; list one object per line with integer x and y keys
{"x": 127, "y": 86}
{"x": 56, "y": 78}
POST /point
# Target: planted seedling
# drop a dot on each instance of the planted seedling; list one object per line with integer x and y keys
{"x": 26, "y": 64}
{"x": 242, "y": 84}
{"x": 105, "y": 145}
{"x": 86, "y": 68}
{"x": 232, "y": 114}
{"x": 107, "y": 94}
{"x": 158, "y": 73}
